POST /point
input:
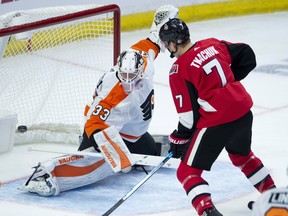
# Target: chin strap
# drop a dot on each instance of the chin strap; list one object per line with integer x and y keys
{"x": 172, "y": 53}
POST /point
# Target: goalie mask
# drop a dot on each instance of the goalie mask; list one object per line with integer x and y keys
{"x": 131, "y": 68}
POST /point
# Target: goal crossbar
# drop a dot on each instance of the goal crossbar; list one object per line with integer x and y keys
{"x": 70, "y": 17}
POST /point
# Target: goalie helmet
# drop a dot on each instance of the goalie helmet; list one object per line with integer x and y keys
{"x": 176, "y": 31}
{"x": 131, "y": 67}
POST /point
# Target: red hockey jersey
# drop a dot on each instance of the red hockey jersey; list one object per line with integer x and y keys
{"x": 205, "y": 83}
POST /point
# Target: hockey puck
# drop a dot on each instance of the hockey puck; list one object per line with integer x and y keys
{"x": 22, "y": 128}
{"x": 250, "y": 205}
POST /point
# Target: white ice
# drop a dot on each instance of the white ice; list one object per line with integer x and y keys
{"x": 267, "y": 34}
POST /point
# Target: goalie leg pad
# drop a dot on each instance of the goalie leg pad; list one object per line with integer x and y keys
{"x": 80, "y": 171}
{"x": 65, "y": 173}
{"x": 114, "y": 150}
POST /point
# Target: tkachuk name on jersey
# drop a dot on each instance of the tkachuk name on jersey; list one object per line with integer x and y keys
{"x": 279, "y": 198}
{"x": 204, "y": 55}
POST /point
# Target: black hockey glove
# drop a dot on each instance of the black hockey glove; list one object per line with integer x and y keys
{"x": 177, "y": 144}
{"x": 88, "y": 142}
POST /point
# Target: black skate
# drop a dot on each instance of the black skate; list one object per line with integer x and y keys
{"x": 211, "y": 212}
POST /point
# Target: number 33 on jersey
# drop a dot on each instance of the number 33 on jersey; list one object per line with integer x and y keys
{"x": 129, "y": 113}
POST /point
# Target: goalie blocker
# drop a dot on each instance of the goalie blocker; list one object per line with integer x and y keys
{"x": 114, "y": 150}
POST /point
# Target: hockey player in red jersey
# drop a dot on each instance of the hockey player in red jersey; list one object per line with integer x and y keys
{"x": 213, "y": 108}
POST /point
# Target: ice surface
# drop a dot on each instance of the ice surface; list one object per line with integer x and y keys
{"x": 162, "y": 194}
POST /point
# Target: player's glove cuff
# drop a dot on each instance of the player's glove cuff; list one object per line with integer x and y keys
{"x": 178, "y": 141}
{"x": 177, "y": 145}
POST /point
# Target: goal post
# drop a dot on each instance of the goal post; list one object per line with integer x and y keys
{"x": 50, "y": 62}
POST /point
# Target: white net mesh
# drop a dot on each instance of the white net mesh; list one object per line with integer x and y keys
{"x": 48, "y": 74}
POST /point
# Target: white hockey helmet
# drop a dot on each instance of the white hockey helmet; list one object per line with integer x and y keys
{"x": 131, "y": 66}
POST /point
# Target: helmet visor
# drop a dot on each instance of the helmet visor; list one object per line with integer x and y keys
{"x": 128, "y": 77}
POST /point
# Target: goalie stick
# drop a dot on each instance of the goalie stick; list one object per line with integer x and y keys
{"x": 150, "y": 174}
{"x": 140, "y": 159}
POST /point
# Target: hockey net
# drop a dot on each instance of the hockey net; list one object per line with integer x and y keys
{"x": 50, "y": 62}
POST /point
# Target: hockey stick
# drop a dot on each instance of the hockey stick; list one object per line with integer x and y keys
{"x": 140, "y": 159}
{"x": 150, "y": 174}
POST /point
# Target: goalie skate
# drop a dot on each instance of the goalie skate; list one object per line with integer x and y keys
{"x": 44, "y": 184}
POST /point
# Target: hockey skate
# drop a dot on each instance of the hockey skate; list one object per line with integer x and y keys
{"x": 44, "y": 184}
{"x": 211, "y": 212}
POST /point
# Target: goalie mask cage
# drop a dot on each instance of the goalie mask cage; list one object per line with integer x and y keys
{"x": 51, "y": 59}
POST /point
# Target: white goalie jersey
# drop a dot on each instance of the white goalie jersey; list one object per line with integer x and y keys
{"x": 129, "y": 113}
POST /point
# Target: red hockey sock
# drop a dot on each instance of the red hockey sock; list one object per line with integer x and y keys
{"x": 197, "y": 189}
{"x": 254, "y": 170}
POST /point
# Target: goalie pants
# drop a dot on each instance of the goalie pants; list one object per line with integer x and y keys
{"x": 206, "y": 145}
{"x": 145, "y": 145}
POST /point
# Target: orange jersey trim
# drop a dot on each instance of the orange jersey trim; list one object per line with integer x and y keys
{"x": 129, "y": 136}
{"x": 145, "y": 45}
{"x": 96, "y": 121}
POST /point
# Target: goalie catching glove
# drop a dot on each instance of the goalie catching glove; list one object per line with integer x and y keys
{"x": 177, "y": 144}
{"x": 162, "y": 15}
